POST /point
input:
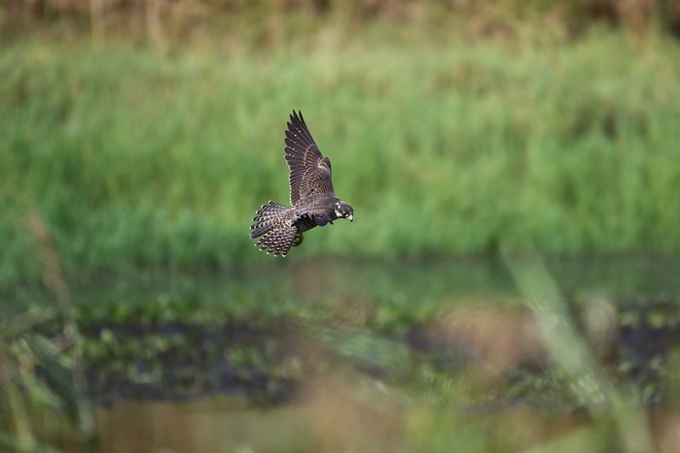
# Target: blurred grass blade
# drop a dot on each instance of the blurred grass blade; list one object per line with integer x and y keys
{"x": 23, "y": 436}
{"x": 57, "y": 374}
{"x": 54, "y": 278}
{"x": 570, "y": 352}
{"x": 18, "y": 324}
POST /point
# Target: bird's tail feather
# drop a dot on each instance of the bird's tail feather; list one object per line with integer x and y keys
{"x": 275, "y": 235}
{"x": 266, "y": 218}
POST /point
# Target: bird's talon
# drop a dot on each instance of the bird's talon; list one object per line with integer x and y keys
{"x": 298, "y": 239}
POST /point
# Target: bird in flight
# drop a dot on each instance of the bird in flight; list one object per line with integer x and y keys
{"x": 311, "y": 195}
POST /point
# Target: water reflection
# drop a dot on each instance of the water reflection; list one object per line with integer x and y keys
{"x": 218, "y": 424}
{"x": 338, "y": 425}
{"x": 255, "y": 287}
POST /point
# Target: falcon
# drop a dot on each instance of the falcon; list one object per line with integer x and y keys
{"x": 313, "y": 200}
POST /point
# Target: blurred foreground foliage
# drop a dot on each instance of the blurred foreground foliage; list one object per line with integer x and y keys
{"x": 537, "y": 372}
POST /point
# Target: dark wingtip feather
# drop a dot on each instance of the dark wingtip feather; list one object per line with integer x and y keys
{"x": 298, "y": 137}
{"x": 296, "y": 118}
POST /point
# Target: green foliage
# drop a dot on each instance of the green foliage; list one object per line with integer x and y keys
{"x": 37, "y": 383}
{"x": 140, "y": 160}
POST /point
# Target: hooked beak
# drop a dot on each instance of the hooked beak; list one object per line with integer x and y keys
{"x": 350, "y": 218}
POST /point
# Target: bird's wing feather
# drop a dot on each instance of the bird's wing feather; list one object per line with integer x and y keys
{"x": 310, "y": 172}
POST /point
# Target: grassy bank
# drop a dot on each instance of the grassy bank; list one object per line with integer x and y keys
{"x": 141, "y": 160}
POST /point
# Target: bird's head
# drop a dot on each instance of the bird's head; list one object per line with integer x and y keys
{"x": 344, "y": 211}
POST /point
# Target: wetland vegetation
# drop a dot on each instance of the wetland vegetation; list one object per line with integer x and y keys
{"x": 140, "y": 160}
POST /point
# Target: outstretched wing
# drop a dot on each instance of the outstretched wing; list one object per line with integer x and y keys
{"x": 310, "y": 172}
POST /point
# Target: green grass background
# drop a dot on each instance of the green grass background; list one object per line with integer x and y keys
{"x": 445, "y": 147}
